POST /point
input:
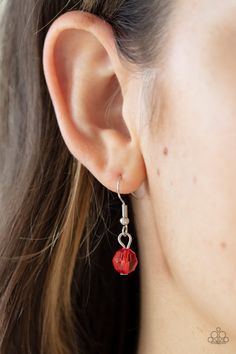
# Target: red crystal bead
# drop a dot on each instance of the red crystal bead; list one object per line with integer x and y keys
{"x": 125, "y": 261}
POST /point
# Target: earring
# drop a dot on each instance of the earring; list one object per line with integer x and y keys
{"x": 124, "y": 260}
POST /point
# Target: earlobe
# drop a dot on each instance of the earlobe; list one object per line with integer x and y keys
{"x": 87, "y": 84}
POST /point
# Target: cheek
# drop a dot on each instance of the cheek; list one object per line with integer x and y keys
{"x": 194, "y": 184}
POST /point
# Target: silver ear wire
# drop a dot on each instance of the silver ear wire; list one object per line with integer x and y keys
{"x": 118, "y": 188}
{"x": 124, "y": 220}
{"x": 135, "y": 196}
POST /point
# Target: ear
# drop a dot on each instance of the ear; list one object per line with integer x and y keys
{"x": 87, "y": 81}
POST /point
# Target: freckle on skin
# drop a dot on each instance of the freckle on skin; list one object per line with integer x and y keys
{"x": 158, "y": 172}
{"x": 165, "y": 151}
{"x": 223, "y": 245}
{"x": 194, "y": 179}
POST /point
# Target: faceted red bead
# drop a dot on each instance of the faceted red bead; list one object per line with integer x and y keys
{"x": 125, "y": 261}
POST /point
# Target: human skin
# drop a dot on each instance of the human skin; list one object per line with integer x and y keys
{"x": 182, "y": 162}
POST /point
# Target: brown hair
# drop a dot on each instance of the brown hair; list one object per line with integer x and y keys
{"x": 58, "y": 291}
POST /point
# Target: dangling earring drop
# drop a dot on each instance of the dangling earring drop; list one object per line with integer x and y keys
{"x": 124, "y": 260}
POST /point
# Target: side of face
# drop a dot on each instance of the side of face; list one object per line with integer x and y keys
{"x": 191, "y": 157}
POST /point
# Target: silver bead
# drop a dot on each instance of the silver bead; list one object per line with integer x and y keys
{"x": 124, "y": 221}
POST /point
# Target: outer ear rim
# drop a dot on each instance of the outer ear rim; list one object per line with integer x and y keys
{"x": 87, "y": 22}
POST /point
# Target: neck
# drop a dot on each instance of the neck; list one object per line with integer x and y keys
{"x": 170, "y": 322}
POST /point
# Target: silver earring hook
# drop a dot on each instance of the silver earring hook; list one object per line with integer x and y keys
{"x": 118, "y": 183}
{"x": 134, "y": 195}
{"x": 118, "y": 190}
